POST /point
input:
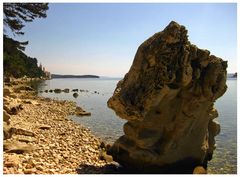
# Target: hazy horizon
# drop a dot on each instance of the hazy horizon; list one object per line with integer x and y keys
{"x": 102, "y": 39}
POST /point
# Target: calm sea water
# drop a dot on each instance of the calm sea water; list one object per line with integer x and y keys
{"x": 106, "y": 125}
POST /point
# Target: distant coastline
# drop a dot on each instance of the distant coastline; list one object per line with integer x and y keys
{"x": 232, "y": 75}
{"x": 55, "y": 76}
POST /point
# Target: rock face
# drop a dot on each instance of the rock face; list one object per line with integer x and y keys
{"x": 168, "y": 99}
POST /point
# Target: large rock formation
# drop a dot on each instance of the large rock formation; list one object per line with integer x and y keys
{"x": 168, "y": 99}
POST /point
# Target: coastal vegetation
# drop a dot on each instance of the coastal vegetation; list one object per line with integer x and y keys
{"x": 15, "y": 62}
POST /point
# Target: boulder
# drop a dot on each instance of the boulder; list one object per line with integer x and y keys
{"x": 167, "y": 98}
{"x": 66, "y": 90}
{"x": 17, "y": 147}
{"x": 75, "y": 95}
{"x": 22, "y": 131}
{"x": 57, "y": 90}
{"x": 80, "y": 112}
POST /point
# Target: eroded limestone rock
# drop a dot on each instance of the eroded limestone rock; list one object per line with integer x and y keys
{"x": 168, "y": 99}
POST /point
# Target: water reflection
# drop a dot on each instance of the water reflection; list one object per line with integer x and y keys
{"x": 94, "y": 93}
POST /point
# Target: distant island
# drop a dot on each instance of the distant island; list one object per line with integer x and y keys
{"x": 232, "y": 75}
{"x": 235, "y": 75}
{"x": 54, "y": 76}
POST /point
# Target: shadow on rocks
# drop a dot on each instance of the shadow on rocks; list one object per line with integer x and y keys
{"x": 118, "y": 169}
{"x": 107, "y": 169}
{"x": 114, "y": 169}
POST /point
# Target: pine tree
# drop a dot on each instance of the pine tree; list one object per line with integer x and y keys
{"x": 15, "y": 62}
{"x": 16, "y": 14}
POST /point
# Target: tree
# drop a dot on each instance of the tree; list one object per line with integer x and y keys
{"x": 16, "y": 14}
{"x": 15, "y": 62}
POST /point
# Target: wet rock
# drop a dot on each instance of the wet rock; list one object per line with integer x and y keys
{"x": 46, "y": 91}
{"x": 80, "y": 112}
{"x": 66, "y": 90}
{"x": 50, "y": 90}
{"x": 84, "y": 113}
{"x": 75, "y": 95}
{"x": 57, "y": 90}
{"x": 167, "y": 97}
{"x": 74, "y": 90}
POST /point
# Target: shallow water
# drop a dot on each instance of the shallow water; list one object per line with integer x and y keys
{"x": 106, "y": 125}
{"x": 225, "y": 156}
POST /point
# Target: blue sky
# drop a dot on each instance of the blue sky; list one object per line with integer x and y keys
{"x": 102, "y": 39}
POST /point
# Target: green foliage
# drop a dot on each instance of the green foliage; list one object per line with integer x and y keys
{"x": 15, "y": 14}
{"x": 15, "y": 62}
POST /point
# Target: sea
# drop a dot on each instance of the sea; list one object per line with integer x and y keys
{"x": 106, "y": 125}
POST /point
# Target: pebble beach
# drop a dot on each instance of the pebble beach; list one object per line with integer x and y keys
{"x": 39, "y": 138}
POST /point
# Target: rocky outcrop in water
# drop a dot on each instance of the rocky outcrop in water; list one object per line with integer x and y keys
{"x": 168, "y": 99}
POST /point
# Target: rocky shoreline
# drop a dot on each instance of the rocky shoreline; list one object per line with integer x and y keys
{"x": 40, "y": 139}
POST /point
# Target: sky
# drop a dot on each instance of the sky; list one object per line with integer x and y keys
{"x": 102, "y": 39}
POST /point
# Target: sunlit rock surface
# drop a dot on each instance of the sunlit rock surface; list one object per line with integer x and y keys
{"x": 168, "y": 99}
